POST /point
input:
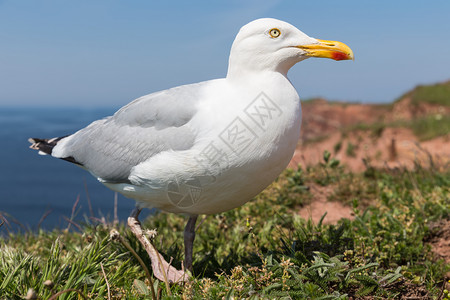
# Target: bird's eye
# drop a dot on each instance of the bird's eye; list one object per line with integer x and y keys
{"x": 274, "y": 32}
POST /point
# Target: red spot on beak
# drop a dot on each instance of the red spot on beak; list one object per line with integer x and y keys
{"x": 339, "y": 56}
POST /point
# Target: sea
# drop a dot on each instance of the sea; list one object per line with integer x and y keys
{"x": 41, "y": 192}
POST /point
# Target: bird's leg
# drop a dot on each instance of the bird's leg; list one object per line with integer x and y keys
{"x": 161, "y": 268}
{"x": 189, "y": 236}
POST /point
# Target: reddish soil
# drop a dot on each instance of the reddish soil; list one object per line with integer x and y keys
{"x": 320, "y": 205}
{"x": 440, "y": 240}
{"x": 395, "y": 147}
{"x": 323, "y": 125}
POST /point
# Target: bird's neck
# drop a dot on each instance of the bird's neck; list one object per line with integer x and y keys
{"x": 243, "y": 65}
{"x": 242, "y": 75}
{"x": 247, "y": 77}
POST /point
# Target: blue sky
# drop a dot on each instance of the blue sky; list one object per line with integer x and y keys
{"x": 90, "y": 53}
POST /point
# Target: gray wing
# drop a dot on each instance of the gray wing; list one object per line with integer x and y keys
{"x": 111, "y": 147}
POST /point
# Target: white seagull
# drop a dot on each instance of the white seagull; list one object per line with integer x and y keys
{"x": 207, "y": 147}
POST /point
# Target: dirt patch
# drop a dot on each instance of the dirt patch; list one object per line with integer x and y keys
{"x": 322, "y": 129}
{"x": 320, "y": 205}
{"x": 321, "y": 118}
{"x": 440, "y": 240}
{"x": 394, "y": 147}
{"x": 405, "y": 110}
{"x": 410, "y": 291}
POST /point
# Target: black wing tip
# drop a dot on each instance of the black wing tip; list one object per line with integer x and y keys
{"x": 45, "y": 146}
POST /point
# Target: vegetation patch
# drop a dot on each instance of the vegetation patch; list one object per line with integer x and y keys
{"x": 430, "y": 127}
{"x": 262, "y": 250}
{"x": 438, "y": 94}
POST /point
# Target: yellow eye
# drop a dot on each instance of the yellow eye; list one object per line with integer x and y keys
{"x": 274, "y": 32}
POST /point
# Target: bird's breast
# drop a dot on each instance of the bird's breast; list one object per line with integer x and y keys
{"x": 252, "y": 147}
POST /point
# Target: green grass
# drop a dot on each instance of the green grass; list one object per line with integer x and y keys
{"x": 434, "y": 94}
{"x": 430, "y": 127}
{"x": 262, "y": 250}
{"x": 425, "y": 128}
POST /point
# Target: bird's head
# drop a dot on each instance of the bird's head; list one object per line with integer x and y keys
{"x": 270, "y": 44}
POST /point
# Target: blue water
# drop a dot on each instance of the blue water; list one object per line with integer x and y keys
{"x": 32, "y": 185}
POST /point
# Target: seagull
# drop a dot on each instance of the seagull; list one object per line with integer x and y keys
{"x": 207, "y": 147}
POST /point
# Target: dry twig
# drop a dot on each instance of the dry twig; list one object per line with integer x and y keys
{"x": 106, "y": 280}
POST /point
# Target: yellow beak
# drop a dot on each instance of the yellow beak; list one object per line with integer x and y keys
{"x": 329, "y": 49}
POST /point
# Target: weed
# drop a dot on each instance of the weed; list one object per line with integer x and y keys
{"x": 350, "y": 151}
{"x": 337, "y": 147}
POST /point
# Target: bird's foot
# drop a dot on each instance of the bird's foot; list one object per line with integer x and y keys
{"x": 162, "y": 269}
